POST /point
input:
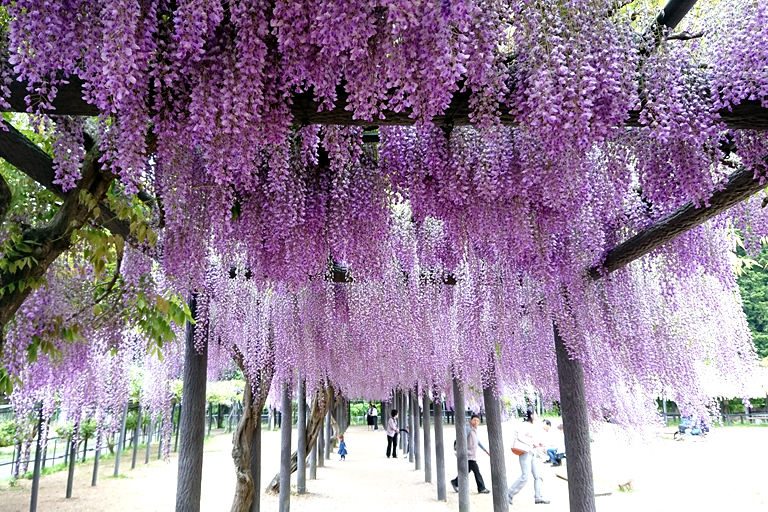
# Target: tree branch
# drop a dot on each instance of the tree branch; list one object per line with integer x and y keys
{"x": 685, "y": 36}
{"x": 49, "y": 241}
{"x": 5, "y": 198}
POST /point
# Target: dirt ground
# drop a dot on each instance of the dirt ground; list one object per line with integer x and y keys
{"x": 726, "y": 471}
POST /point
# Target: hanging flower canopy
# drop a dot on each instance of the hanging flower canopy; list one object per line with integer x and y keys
{"x": 468, "y": 163}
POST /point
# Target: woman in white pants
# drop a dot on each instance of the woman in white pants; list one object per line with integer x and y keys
{"x": 529, "y": 464}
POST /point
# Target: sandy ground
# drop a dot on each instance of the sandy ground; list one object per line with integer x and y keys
{"x": 724, "y": 472}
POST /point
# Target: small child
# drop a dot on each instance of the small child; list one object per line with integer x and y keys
{"x": 342, "y": 447}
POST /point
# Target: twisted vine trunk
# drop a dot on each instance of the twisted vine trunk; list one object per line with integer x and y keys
{"x": 319, "y": 408}
{"x": 246, "y": 488}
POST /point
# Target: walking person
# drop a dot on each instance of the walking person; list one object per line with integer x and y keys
{"x": 472, "y": 444}
{"x": 392, "y": 430}
{"x": 529, "y": 434}
{"x": 342, "y": 447}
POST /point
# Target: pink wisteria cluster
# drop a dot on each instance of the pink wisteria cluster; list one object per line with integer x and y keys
{"x": 514, "y": 214}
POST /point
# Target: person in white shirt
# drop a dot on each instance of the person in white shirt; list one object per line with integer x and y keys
{"x": 530, "y": 433}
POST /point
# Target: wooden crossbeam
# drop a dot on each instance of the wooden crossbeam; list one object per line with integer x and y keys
{"x": 740, "y": 185}
{"x": 747, "y": 115}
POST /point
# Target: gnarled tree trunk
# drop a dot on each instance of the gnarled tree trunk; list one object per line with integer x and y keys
{"x": 246, "y": 442}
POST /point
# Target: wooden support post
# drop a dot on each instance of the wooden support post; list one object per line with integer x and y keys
{"x": 160, "y": 440}
{"x": 72, "y": 460}
{"x": 573, "y": 405}
{"x": 409, "y": 426}
{"x": 149, "y": 437}
{"x": 440, "y": 450}
{"x": 403, "y": 421}
{"x": 120, "y": 443}
{"x": 427, "y": 439}
{"x": 190, "y": 474}
{"x": 461, "y": 444}
{"x": 36, "y": 469}
{"x": 328, "y": 433}
{"x": 301, "y": 449}
{"x": 96, "y": 457}
{"x": 416, "y": 430}
{"x": 313, "y": 461}
{"x": 85, "y": 449}
{"x": 136, "y": 436}
{"x": 285, "y": 450}
{"x": 321, "y": 444}
{"x": 496, "y": 447}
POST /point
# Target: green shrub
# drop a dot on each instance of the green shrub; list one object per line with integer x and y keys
{"x": 7, "y": 433}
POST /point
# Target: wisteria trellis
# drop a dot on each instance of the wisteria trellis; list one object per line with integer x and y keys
{"x": 514, "y": 214}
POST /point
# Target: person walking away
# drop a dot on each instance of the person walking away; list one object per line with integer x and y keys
{"x": 392, "y": 434}
{"x": 529, "y": 434}
{"x": 472, "y": 444}
{"x": 342, "y": 447}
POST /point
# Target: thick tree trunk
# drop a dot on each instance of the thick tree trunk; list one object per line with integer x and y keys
{"x": 313, "y": 428}
{"x": 427, "y": 440}
{"x": 573, "y": 405}
{"x": 440, "y": 450}
{"x": 496, "y": 447}
{"x": 190, "y": 475}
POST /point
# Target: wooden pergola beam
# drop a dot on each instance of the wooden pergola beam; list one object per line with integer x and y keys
{"x": 740, "y": 185}
{"x": 69, "y": 101}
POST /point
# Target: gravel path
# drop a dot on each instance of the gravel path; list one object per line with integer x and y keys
{"x": 724, "y": 472}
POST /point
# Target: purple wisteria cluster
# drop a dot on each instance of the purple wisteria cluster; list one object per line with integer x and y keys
{"x": 514, "y": 214}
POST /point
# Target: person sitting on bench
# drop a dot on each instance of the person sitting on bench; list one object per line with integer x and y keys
{"x": 557, "y": 451}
